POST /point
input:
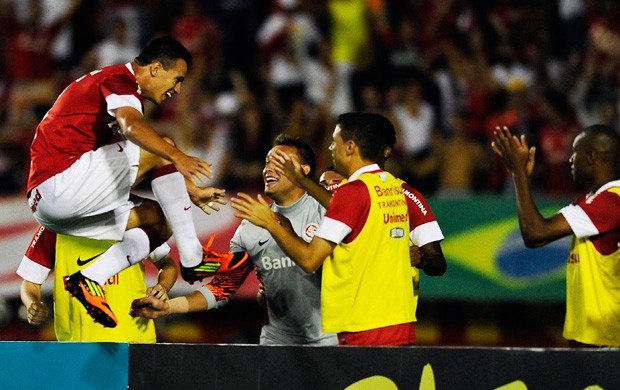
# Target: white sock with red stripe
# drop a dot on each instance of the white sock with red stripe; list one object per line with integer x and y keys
{"x": 132, "y": 249}
{"x": 169, "y": 188}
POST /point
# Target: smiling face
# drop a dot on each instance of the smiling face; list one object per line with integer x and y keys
{"x": 279, "y": 187}
{"x": 164, "y": 83}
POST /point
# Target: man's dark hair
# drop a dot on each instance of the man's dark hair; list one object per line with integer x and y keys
{"x": 371, "y": 132}
{"x": 605, "y": 140}
{"x": 166, "y": 50}
{"x": 306, "y": 154}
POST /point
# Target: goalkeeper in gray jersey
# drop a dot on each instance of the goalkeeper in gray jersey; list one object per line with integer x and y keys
{"x": 292, "y": 295}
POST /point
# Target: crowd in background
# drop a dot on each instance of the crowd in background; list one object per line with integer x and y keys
{"x": 446, "y": 72}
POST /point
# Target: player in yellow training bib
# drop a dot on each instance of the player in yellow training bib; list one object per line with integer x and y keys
{"x": 68, "y": 254}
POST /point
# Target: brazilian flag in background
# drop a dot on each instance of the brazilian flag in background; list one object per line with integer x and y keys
{"x": 486, "y": 257}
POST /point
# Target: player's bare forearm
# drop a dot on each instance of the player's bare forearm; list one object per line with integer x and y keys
{"x": 519, "y": 159}
{"x": 308, "y": 256}
{"x": 193, "y": 302}
{"x": 316, "y": 191}
{"x": 168, "y": 273}
{"x": 432, "y": 260}
{"x": 31, "y": 298}
{"x": 536, "y": 230}
{"x": 298, "y": 250}
{"x": 139, "y": 132}
{"x": 153, "y": 308}
{"x": 30, "y": 292}
{"x": 529, "y": 215}
{"x": 287, "y": 164}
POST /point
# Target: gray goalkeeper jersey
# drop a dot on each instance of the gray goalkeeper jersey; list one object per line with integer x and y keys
{"x": 293, "y": 295}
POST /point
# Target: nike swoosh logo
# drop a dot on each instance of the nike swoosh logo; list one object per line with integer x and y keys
{"x": 81, "y": 262}
{"x": 261, "y": 243}
{"x": 120, "y": 148}
{"x": 187, "y": 208}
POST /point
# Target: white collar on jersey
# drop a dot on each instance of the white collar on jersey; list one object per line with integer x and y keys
{"x": 605, "y": 187}
{"x": 364, "y": 169}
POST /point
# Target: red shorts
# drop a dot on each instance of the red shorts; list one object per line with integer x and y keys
{"x": 401, "y": 334}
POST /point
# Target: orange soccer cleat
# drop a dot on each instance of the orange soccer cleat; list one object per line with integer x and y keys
{"x": 92, "y": 297}
{"x": 212, "y": 263}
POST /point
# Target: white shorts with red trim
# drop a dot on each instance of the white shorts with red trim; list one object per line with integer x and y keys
{"x": 92, "y": 197}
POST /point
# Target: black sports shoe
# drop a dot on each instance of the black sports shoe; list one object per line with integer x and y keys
{"x": 92, "y": 297}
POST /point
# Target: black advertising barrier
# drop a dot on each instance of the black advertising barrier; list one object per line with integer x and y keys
{"x": 238, "y": 367}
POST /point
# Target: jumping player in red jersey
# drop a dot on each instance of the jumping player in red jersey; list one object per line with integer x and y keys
{"x": 93, "y": 146}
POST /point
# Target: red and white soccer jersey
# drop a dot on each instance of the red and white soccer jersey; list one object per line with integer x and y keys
{"x": 422, "y": 222}
{"x": 38, "y": 260}
{"x": 81, "y": 120}
{"x": 593, "y": 269}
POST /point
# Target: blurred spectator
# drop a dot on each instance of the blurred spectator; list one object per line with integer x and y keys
{"x": 137, "y": 17}
{"x": 206, "y": 132}
{"x": 414, "y": 120}
{"x": 463, "y": 162}
{"x": 375, "y": 58}
{"x": 405, "y": 56}
{"x": 250, "y": 134}
{"x": 30, "y": 67}
{"x": 604, "y": 31}
{"x": 239, "y": 21}
{"x": 476, "y": 83}
{"x": 284, "y": 40}
{"x": 374, "y": 100}
{"x": 349, "y": 29}
{"x": 201, "y": 36}
{"x": 555, "y": 142}
{"x": 116, "y": 48}
{"x": 319, "y": 76}
{"x": 594, "y": 94}
{"x": 574, "y": 28}
{"x": 438, "y": 21}
{"x": 485, "y": 62}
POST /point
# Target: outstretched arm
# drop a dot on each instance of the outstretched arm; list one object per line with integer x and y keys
{"x": 206, "y": 198}
{"x": 518, "y": 158}
{"x": 151, "y": 307}
{"x": 219, "y": 289}
{"x": 308, "y": 256}
{"x": 166, "y": 278}
{"x": 135, "y": 129}
{"x": 288, "y": 165}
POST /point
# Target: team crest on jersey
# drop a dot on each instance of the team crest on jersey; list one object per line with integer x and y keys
{"x": 310, "y": 230}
